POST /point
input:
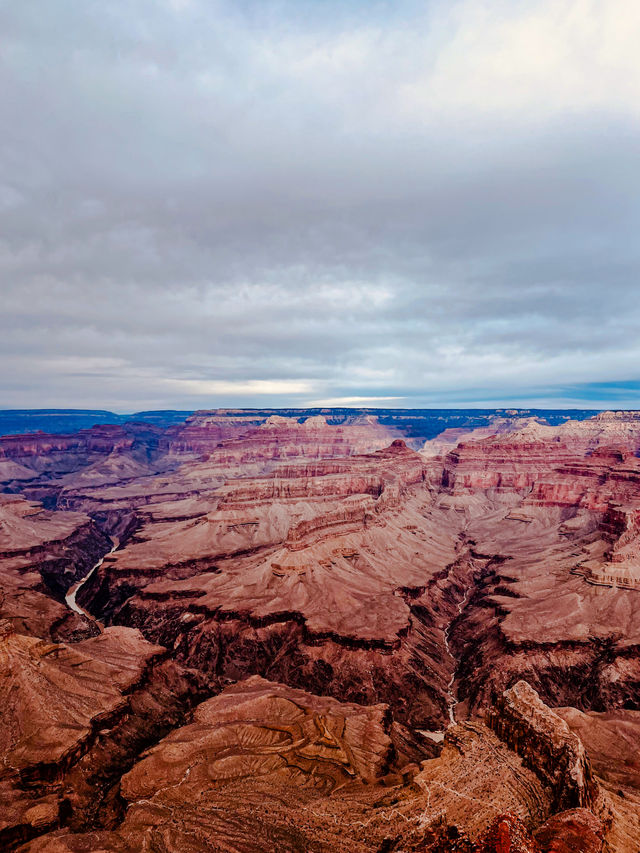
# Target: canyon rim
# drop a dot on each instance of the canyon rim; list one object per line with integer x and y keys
{"x": 257, "y": 631}
{"x": 319, "y": 426}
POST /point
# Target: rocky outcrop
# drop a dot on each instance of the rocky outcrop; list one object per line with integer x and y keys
{"x": 590, "y": 465}
{"x": 573, "y": 831}
{"x": 55, "y": 698}
{"x": 546, "y": 745}
{"x": 289, "y": 732}
{"x": 241, "y": 433}
{"x": 60, "y": 454}
{"x": 347, "y": 609}
{"x": 507, "y": 834}
{"x": 263, "y": 766}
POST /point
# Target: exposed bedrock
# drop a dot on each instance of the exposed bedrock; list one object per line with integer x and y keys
{"x": 577, "y": 465}
{"x": 62, "y": 546}
{"x": 573, "y": 831}
{"x": 75, "y": 717}
{"x": 547, "y": 746}
{"x": 42, "y": 553}
{"x": 27, "y": 457}
{"x": 349, "y": 572}
{"x": 280, "y": 569}
{"x": 265, "y": 767}
{"x": 61, "y": 568}
{"x": 328, "y": 581}
{"x": 117, "y": 524}
{"x": 595, "y": 675}
{"x": 500, "y": 641}
{"x": 242, "y": 438}
{"x": 408, "y": 671}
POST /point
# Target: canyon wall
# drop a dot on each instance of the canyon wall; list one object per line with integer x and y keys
{"x": 284, "y": 608}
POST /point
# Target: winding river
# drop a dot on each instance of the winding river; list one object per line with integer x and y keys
{"x": 71, "y": 596}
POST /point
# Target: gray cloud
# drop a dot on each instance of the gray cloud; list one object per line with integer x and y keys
{"x": 278, "y": 203}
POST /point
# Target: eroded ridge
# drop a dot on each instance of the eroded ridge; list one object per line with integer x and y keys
{"x": 262, "y": 764}
{"x": 342, "y": 595}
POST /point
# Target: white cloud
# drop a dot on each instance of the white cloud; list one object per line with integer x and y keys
{"x": 532, "y": 59}
{"x": 356, "y": 402}
{"x": 247, "y": 387}
{"x": 209, "y": 203}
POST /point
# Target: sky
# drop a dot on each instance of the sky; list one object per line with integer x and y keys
{"x": 286, "y": 203}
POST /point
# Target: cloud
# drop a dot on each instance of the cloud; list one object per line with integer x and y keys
{"x": 258, "y": 387}
{"x": 355, "y": 402}
{"x": 212, "y": 203}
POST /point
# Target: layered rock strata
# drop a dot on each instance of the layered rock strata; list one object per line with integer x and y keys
{"x": 265, "y": 767}
{"x": 54, "y": 700}
{"x": 375, "y": 594}
{"x": 546, "y": 744}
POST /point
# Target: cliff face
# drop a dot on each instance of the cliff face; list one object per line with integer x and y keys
{"x": 262, "y": 766}
{"x": 546, "y": 745}
{"x": 341, "y": 603}
{"x": 55, "y": 698}
{"x": 548, "y": 466}
{"x": 60, "y": 454}
{"x": 274, "y": 436}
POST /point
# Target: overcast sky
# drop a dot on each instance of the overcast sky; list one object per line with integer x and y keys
{"x": 286, "y": 203}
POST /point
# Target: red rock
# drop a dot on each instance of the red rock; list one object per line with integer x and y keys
{"x": 53, "y": 699}
{"x": 262, "y": 764}
{"x": 350, "y": 571}
{"x": 507, "y": 834}
{"x": 42, "y": 553}
{"x": 575, "y": 831}
{"x": 546, "y": 745}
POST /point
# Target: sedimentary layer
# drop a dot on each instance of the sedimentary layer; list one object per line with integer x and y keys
{"x": 345, "y": 609}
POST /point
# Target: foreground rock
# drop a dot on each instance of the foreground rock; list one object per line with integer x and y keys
{"x": 54, "y": 699}
{"x": 546, "y": 744}
{"x": 612, "y": 739}
{"x": 378, "y": 593}
{"x": 265, "y": 767}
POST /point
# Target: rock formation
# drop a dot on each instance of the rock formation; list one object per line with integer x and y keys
{"x": 264, "y": 765}
{"x": 286, "y": 633}
{"x": 546, "y": 745}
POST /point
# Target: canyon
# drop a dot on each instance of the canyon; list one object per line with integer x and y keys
{"x": 336, "y": 631}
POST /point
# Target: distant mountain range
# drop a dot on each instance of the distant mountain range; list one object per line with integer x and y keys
{"x": 415, "y": 424}
{"x": 19, "y": 421}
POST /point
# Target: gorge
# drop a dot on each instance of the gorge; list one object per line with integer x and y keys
{"x": 330, "y": 631}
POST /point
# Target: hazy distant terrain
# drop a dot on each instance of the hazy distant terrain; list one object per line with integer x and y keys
{"x": 417, "y": 424}
{"x": 327, "y": 631}
{"x": 20, "y": 421}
